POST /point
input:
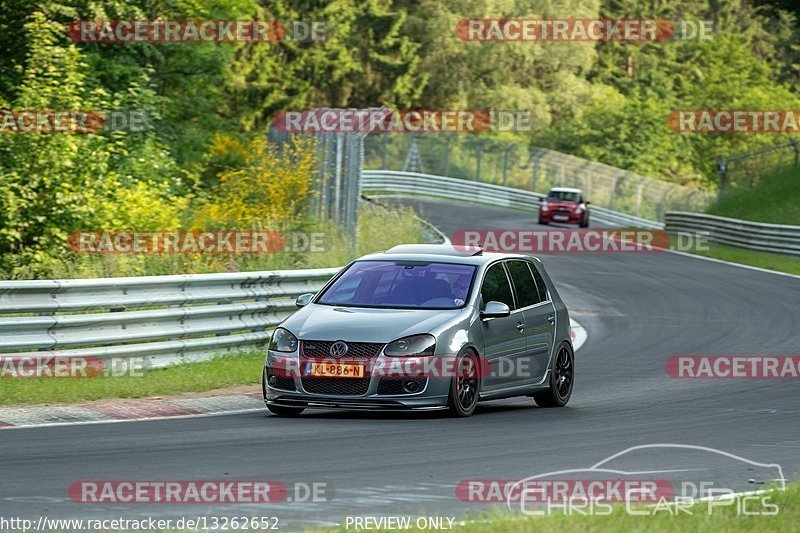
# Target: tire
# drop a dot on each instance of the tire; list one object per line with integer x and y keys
{"x": 464, "y": 390}
{"x": 585, "y": 222}
{"x": 285, "y": 411}
{"x": 560, "y": 390}
{"x": 542, "y": 222}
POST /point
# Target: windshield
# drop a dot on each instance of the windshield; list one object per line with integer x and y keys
{"x": 401, "y": 284}
{"x": 564, "y": 196}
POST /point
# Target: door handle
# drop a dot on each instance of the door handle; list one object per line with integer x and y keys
{"x": 520, "y": 326}
{"x": 551, "y": 319}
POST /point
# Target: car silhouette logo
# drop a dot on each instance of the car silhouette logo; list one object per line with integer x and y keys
{"x": 338, "y": 349}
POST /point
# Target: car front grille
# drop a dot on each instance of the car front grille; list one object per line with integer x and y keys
{"x": 355, "y": 350}
{"x": 336, "y": 386}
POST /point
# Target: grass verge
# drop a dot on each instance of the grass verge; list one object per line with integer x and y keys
{"x": 780, "y": 262}
{"x": 379, "y": 228}
{"x": 216, "y": 373}
{"x": 776, "y": 200}
{"x": 696, "y": 518}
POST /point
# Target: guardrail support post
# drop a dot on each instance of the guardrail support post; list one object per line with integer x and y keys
{"x": 661, "y": 205}
{"x": 506, "y": 154}
{"x": 478, "y": 157}
{"x": 639, "y": 188}
{"x": 722, "y": 168}
{"x": 588, "y": 184}
{"x": 688, "y": 206}
{"x": 613, "y": 192}
{"x": 447, "y": 140}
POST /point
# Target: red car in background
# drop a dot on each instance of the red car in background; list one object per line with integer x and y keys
{"x": 564, "y": 205}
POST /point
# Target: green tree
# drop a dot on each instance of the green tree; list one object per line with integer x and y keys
{"x": 364, "y": 61}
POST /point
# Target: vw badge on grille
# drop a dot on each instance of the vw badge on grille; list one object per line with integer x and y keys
{"x": 338, "y": 349}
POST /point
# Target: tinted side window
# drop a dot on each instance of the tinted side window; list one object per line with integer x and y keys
{"x": 524, "y": 285}
{"x": 495, "y": 286}
{"x": 540, "y": 286}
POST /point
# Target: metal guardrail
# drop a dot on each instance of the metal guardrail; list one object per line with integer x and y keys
{"x": 416, "y": 183}
{"x": 535, "y": 169}
{"x": 163, "y": 319}
{"x": 742, "y": 233}
{"x": 744, "y": 169}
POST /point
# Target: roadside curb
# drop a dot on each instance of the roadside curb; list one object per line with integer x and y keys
{"x": 127, "y": 411}
{"x": 578, "y": 334}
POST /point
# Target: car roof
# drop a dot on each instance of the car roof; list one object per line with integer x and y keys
{"x": 438, "y": 249}
{"x": 441, "y": 253}
{"x": 565, "y": 189}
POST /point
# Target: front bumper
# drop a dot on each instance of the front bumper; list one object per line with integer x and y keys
{"x": 367, "y": 404}
{"x": 571, "y": 217}
{"x": 432, "y": 394}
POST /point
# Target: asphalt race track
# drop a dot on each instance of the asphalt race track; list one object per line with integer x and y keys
{"x": 638, "y": 308}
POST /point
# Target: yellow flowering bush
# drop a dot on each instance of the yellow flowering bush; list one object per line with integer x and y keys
{"x": 270, "y": 189}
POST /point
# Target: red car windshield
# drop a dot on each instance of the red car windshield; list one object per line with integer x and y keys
{"x": 401, "y": 284}
{"x": 563, "y": 196}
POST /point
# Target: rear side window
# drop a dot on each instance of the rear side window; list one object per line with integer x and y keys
{"x": 525, "y": 287}
{"x": 495, "y": 286}
{"x": 540, "y": 286}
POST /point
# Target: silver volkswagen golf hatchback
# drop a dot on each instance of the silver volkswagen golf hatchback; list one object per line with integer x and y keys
{"x": 424, "y": 327}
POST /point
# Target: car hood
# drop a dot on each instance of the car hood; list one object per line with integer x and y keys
{"x": 359, "y": 324}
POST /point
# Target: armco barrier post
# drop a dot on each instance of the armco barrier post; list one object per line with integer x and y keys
{"x": 613, "y": 192}
{"x": 447, "y": 140}
{"x": 722, "y": 169}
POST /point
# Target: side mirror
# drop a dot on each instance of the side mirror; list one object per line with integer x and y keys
{"x": 495, "y": 310}
{"x": 304, "y": 299}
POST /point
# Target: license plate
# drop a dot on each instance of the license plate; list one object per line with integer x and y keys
{"x": 560, "y": 217}
{"x": 335, "y": 370}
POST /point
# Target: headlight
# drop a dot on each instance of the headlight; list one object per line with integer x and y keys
{"x": 544, "y": 207}
{"x": 282, "y": 341}
{"x": 579, "y": 209}
{"x": 413, "y": 345}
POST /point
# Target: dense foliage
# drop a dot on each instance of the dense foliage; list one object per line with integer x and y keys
{"x": 603, "y": 101}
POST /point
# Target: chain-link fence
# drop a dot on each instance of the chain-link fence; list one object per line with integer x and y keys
{"x": 744, "y": 169}
{"x": 337, "y": 184}
{"x": 530, "y": 168}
